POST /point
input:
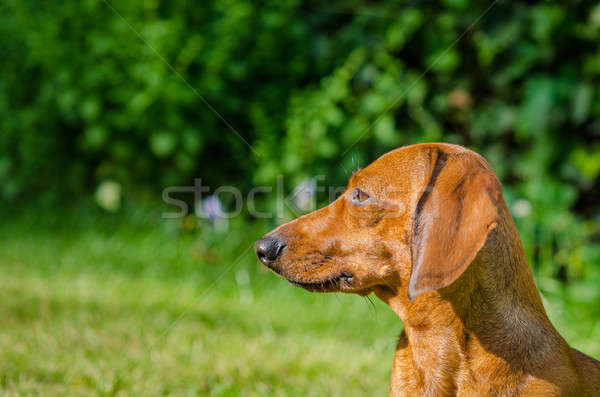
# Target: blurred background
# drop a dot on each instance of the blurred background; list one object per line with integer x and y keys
{"x": 105, "y": 104}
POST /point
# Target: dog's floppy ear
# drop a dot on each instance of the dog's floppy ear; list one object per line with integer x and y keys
{"x": 452, "y": 219}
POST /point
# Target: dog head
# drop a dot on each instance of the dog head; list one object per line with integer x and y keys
{"x": 412, "y": 220}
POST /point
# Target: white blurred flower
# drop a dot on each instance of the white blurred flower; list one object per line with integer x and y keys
{"x": 303, "y": 195}
{"x": 108, "y": 195}
{"x": 211, "y": 208}
{"x": 521, "y": 208}
{"x": 595, "y": 16}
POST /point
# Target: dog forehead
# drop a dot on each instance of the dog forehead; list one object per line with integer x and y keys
{"x": 403, "y": 173}
{"x": 409, "y": 164}
{"x": 401, "y": 161}
{"x": 402, "y": 167}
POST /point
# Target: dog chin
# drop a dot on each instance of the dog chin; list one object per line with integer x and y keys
{"x": 342, "y": 282}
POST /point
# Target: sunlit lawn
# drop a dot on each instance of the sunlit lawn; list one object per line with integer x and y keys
{"x": 140, "y": 310}
{"x": 147, "y": 312}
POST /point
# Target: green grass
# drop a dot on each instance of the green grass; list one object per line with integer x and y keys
{"x": 145, "y": 311}
{"x": 142, "y": 309}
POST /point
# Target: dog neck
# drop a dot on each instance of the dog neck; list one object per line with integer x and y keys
{"x": 491, "y": 319}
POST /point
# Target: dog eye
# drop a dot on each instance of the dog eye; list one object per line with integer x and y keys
{"x": 359, "y": 196}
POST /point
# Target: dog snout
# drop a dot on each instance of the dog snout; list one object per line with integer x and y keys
{"x": 268, "y": 249}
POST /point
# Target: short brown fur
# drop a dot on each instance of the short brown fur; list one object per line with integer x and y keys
{"x": 434, "y": 239}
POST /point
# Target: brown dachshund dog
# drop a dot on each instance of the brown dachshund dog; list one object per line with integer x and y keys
{"x": 425, "y": 227}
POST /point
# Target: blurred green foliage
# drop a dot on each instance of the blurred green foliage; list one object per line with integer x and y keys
{"x": 87, "y": 96}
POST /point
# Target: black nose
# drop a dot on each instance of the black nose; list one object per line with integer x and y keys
{"x": 268, "y": 249}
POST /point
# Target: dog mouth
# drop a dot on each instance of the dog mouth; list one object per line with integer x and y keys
{"x": 336, "y": 283}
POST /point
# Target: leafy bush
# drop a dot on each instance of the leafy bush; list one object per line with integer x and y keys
{"x": 314, "y": 89}
{"x": 85, "y": 98}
